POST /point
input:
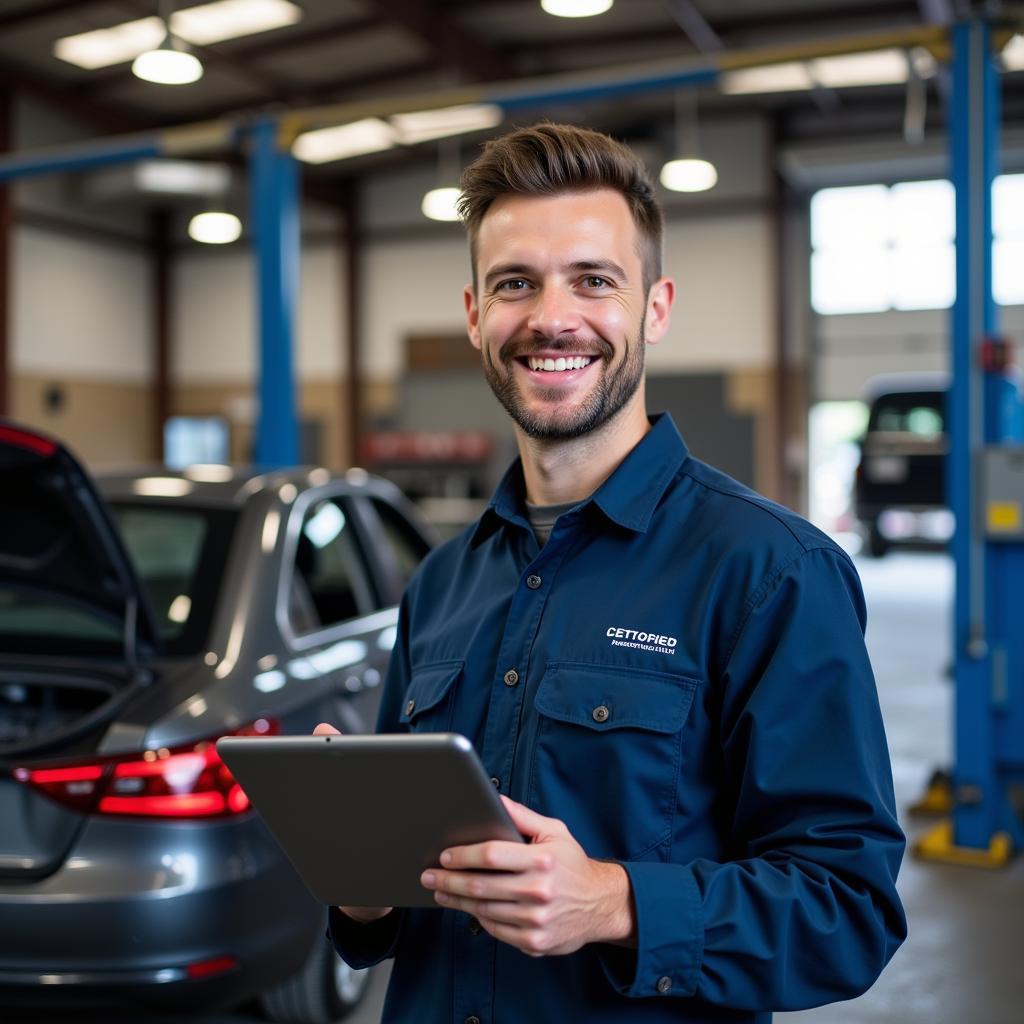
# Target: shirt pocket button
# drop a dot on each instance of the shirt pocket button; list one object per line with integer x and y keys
{"x": 601, "y": 713}
{"x": 410, "y": 707}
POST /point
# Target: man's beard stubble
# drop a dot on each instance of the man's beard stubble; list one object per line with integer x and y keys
{"x": 607, "y": 398}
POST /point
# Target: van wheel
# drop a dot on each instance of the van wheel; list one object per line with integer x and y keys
{"x": 877, "y": 545}
{"x": 323, "y": 991}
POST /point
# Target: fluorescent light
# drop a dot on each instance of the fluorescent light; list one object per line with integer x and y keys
{"x": 106, "y": 46}
{"x": 440, "y": 204}
{"x": 788, "y": 77}
{"x": 167, "y": 65}
{"x": 207, "y": 23}
{"x": 689, "y": 175}
{"x": 1013, "y": 54}
{"x": 214, "y": 227}
{"x": 208, "y": 472}
{"x": 576, "y": 8}
{"x": 230, "y": 19}
{"x": 182, "y": 177}
{"x": 161, "y": 487}
{"x": 371, "y": 135}
{"x": 424, "y": 125}
{"x": 879, "y": 67}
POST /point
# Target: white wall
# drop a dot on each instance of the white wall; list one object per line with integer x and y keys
{"x": 723, "y": 319}
{"x": 80, "y": 308}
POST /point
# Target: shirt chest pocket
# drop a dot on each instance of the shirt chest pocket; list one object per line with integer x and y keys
{"x": 607, "y": 753}
{"x": 427, "y": 705}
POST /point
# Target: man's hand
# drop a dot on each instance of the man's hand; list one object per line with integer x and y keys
{"x": 545, "y": 897}
{"x": 364, "y": 915}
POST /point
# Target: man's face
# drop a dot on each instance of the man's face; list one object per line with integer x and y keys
{"x": 559, "y": 313}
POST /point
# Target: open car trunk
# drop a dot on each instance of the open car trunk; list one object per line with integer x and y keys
{"x": 74, "y": 620}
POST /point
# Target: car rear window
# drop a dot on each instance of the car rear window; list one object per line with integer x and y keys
{"x": 921, "y": 414}
{"x": 178, "y": 553}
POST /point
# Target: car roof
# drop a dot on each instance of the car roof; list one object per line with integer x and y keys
{"x": 225, "y": 486}
{"x": 900, "y": 383}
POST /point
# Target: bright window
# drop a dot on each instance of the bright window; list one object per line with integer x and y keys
{"x": 876, "y": 248}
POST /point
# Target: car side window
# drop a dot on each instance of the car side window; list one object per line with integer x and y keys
{"x": 407, "y": 546}
{"x": 329, "y": 583}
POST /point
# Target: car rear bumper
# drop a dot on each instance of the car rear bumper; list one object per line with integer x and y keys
{"x": 140, "y": 906}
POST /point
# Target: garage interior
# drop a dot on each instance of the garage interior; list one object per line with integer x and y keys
{"x": 867, "y": 218}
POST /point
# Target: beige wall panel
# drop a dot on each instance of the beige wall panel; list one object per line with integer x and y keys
{"x": 103, "y": 422}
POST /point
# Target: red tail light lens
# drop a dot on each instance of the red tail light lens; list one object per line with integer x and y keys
{"x": 179, "y": 782}
{"x": 30, "y": 442}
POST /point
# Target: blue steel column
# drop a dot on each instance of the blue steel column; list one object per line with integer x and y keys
{"x": 973, "y": 400}
{"x": 274, "y": 198}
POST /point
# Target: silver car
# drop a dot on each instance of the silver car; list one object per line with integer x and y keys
{"x": 142, "y": 618}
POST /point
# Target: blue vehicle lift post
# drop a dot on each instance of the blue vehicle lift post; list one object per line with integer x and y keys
{"x": 274, "y": 198}
{"x": 983, "y": 418}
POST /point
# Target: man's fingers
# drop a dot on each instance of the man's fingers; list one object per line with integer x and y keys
{"x": 326, "y": 729}
{"x": 490, "y": 885}
{"x": 530, "y": 823}
{"x": 495, "y": 855}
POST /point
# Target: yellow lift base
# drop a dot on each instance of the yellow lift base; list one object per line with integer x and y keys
{"x": 937, "y": 845}
{"x": 937, "y": 797}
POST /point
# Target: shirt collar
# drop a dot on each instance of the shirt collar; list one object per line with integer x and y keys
{"x": 628, "y": 497}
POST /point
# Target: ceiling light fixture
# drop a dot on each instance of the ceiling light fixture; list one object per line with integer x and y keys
{"x": 425, "y": 125}
{"x": 576, "y": 8}
{"x": 168, "y": 64}
{"x": 215, "y": 227}
{"x": 689, "y": 175}
{"x": 322, "y": 145}
{"x": 849, "y": 70}
{"x": 202, "y": 25}
{"x": 689, "y": 172}
{"x": 1013, "y": 53}
{"x": 441, "y": 203}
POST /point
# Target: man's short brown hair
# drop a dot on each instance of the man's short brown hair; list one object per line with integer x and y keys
{"x": 546, "y": 159}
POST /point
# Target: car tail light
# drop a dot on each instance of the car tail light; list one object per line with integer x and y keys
{"x": 30, "y": 442}
{"x": 178, "y": 782}
{"x": 207, "y": 968}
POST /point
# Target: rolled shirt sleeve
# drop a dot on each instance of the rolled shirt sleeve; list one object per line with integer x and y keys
{"x": 807, "y": 912}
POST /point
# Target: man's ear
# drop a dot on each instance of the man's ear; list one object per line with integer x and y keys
{"x": 472, "y": 316}
{"x": 659, "y": 309}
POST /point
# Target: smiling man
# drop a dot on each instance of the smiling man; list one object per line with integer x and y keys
{"x": 663, "y": 672}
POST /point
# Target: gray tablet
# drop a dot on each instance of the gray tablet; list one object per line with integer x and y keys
{"x": 361, "y": 817}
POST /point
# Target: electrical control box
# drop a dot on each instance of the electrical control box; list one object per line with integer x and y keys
{"x": 1001, "y": 512}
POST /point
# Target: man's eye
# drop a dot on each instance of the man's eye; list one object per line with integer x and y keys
{"x": 596, "y": 282}
{"x": 515, "y": 284}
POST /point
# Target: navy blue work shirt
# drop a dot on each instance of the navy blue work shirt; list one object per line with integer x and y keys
{"x": 680, "y": 676}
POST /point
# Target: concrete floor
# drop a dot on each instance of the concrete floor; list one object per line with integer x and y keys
{"x": 962, "y": 960}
